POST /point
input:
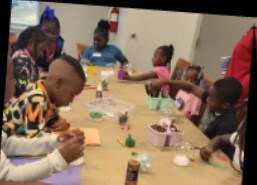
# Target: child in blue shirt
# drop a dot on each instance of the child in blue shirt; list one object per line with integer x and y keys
{"x": 101, "y": 53}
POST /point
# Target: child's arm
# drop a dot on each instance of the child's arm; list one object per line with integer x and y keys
{"x": 19, "y": 146}
{"x": 23, "y": 183}
{"x": 140, "y": 77}
{"x": 61, "y": 125}
{"x": 188, "y": 87}
{"x": 195, "y": 106}
{"x": 15, "y": 146}
{"x": 124, "y": 62}
{"x": 86, "y": 54}
{"x": 54, "y": 162}
{"x": 59, "y": 47}
{"x": 214, "y": 145}
{"x": 194, "y": 119}
{"x": 57, "y": 161}
{"x": 21, "y": 74}
{"x": 121, "y": 57}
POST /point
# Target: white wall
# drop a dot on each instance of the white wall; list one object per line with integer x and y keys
{"x": 121, "y": 37}
{"x": 153, "y": 29}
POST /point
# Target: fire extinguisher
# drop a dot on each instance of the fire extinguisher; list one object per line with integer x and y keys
{"x": 113, "y": 19}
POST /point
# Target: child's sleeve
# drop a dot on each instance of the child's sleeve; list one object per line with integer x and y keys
{"x": 15, "y": 146}
{"x": 86, "y": 54}
{"x": 40, "y": 169}
{"x": 204, "y": 97}
{"x": 119, "y": 55}
{"x": 232, "y": 138}
{"x": 21, "y": 75}
{"x": 59, "y": 47}
{"x": 61, "y": 124}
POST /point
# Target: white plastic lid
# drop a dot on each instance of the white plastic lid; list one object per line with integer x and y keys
{"x": 181, "y": 160}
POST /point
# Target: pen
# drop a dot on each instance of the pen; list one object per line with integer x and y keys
{"x": 120, "y": 142}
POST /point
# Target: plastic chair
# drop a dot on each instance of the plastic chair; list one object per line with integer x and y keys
{"x": 179, "y": 69}
{"x": 12, "y": 37}
{"x": 80, "y": 49}
{"x": 177, "y": 74}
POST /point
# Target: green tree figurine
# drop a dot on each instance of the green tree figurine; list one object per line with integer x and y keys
{"x": 130, "y": 142}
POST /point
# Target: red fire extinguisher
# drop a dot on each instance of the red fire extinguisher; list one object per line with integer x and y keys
{"x": 113, "y": 19}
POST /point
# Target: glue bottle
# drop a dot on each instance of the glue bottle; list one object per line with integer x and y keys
{"x": 99, "y": 92}
{"x": 132, "y": 172}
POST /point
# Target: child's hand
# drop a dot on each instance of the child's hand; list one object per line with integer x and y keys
{"x": 206, "y": 153}
{"x": 65, "y": 136}
{"x": 155, "y": 86}
{"x": 78, "y": 133}
{"x": 29, "y": 85}
{"x": 188, "y": 114}
{"x": 126, "y": 76}
{"x": 72, "y": 149}
{"x": 61, "y": 125}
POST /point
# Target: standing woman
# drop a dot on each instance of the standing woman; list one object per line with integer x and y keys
{"x": 240, "y": 64}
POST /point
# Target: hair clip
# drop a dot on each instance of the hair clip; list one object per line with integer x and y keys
{"x": 59, "y": 44}
{"x": 48, "y": 13}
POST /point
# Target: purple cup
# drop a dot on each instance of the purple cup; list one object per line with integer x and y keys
{"x": 121, "y": 74}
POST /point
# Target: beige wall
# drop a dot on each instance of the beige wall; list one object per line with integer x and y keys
{"x": 153, "y": 29}
{"x": 218, "y": 34}
{"x": 218, "y": 37}
{"x": 17, "y": 31}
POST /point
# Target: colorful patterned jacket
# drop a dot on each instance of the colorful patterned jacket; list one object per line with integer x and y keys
{"x": 31, "y": 113}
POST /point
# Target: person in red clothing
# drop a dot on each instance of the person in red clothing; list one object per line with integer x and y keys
{"x": 240, "y": 64}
